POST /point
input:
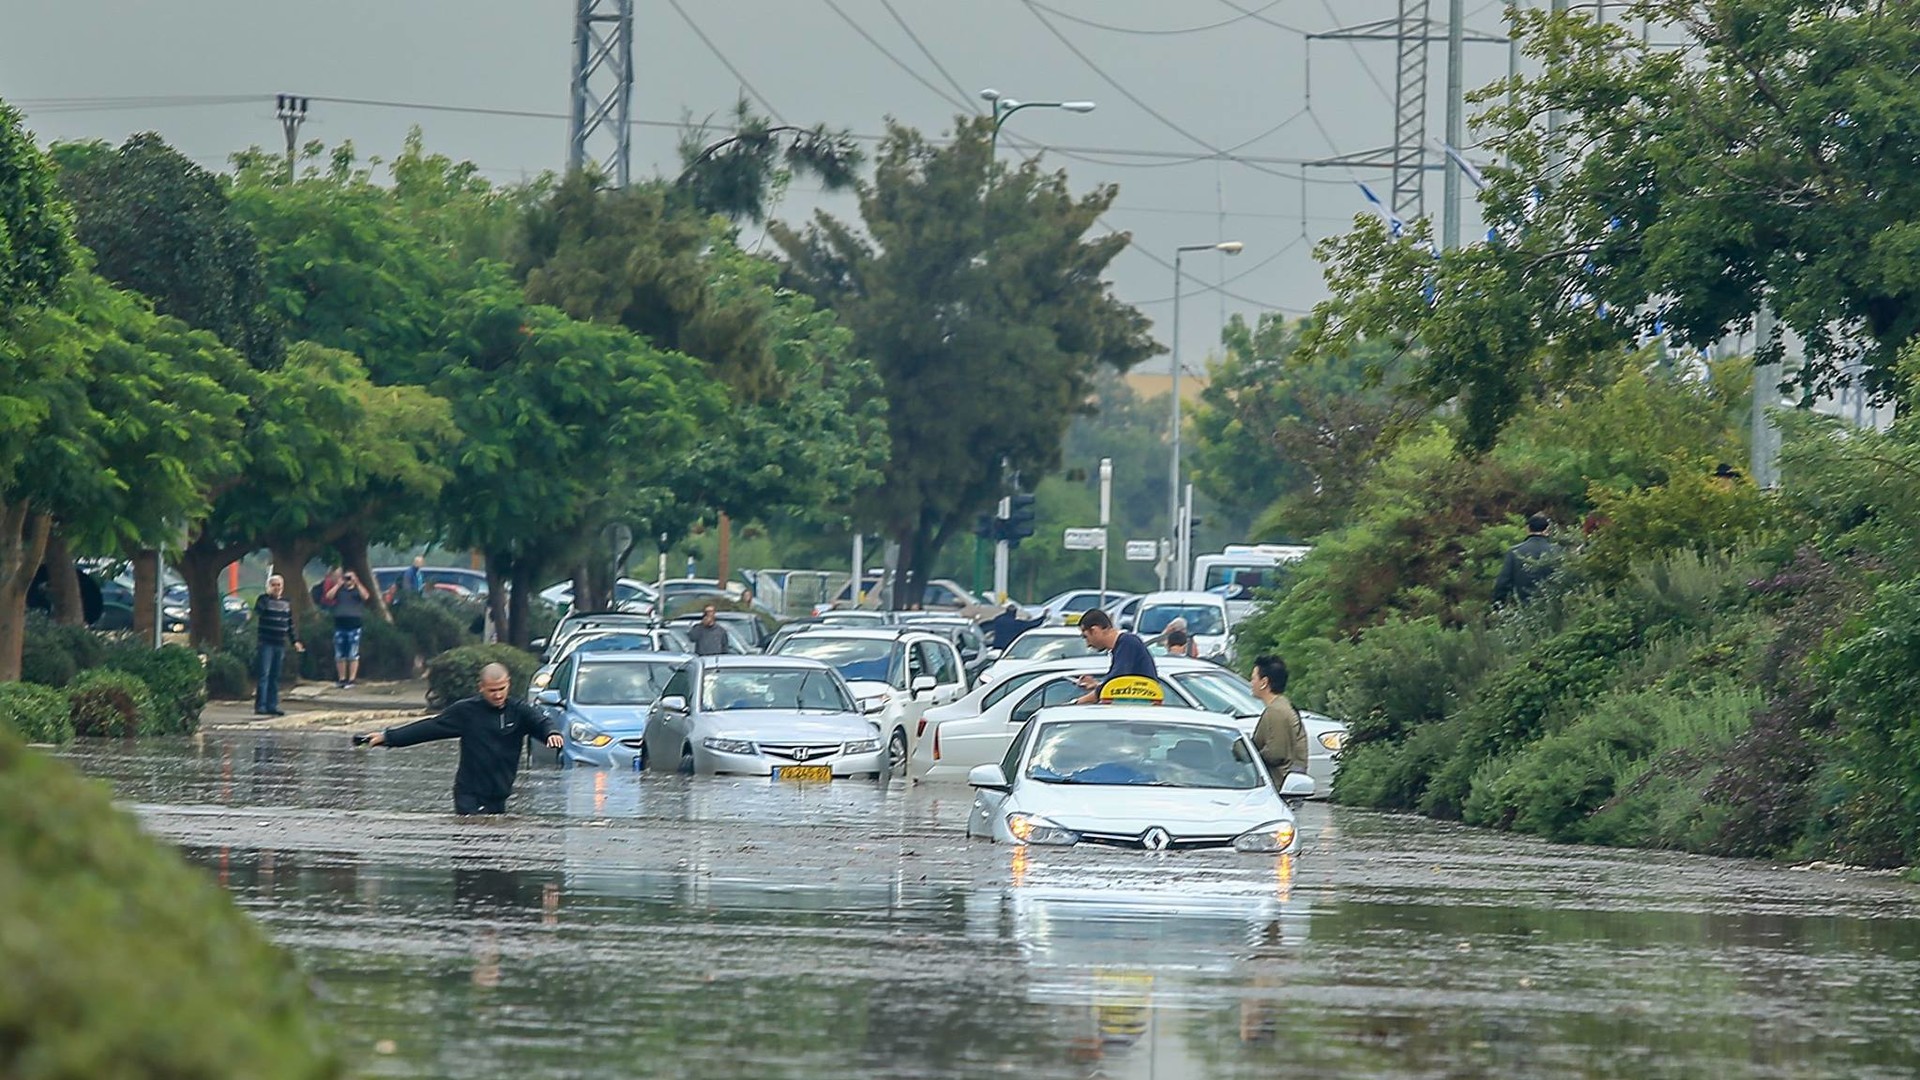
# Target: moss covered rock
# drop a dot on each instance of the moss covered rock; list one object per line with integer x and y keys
{"x": 123, "y": 962}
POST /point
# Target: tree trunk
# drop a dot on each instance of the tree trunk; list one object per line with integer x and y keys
{"x": 497, "y": 593}
{"x": 726, "y": 549}
{"x": 201, "y": 564}
{"x": 519, "y": 605}
{"x": 23, "y": 544}
{"x": 146, "y": 589}
{"x": 63, "y": 583}
{"x": 353, "y": 552}
{"x": 290, "y": 558}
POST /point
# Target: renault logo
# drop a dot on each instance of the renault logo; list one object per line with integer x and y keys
{"x": 1155, "y": 839}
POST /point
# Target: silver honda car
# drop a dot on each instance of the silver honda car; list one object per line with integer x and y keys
{"x": 784, "y": 717}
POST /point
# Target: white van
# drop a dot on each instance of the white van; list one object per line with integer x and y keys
{"x": 1238, "y": 571}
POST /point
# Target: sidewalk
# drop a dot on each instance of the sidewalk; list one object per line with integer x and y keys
{"x": 324, "y": 705}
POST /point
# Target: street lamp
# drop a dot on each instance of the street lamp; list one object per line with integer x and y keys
{"x": 1175, "y": 527}
{"x": 1004, "y": 107}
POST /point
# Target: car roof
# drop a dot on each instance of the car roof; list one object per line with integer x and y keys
{"x": 1172, "y": 665}
{"x": 867, "y": 633}
{"x": 1172, "y": 714}
{"x": 636, "y": 657}
{"x": 1172, "y": 597}
{"x": 761, "y": 661}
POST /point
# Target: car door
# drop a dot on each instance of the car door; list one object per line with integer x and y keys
{"x": 912, "y": 657}
{"x": 949, "y": 675}
{"x": 667, "y": 731}
{"x": 978, "y": 740}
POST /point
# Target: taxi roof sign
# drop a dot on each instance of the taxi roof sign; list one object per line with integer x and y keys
{"x": 1133, "y": 689}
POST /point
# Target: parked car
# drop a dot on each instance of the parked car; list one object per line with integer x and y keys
{"x": 954, "y": 738}
{"x": 458, "y": 580}
{"x": 599, "y": 702}
{"x": 1205, "y": 613}
{"x": 940, "y": 594}
{"x": 629, "y": 594}
{"x": 782, "y": 717}
{"x": 897, "y": 673}
{"x": 681, "y": 595}
{"x": 959, "y": 629}
{"x": 1143, "y": 777}
{"x": 619, "y": 640}
{"x": 743, "y": 628}
{"x": 1125, "y": 610}
{"x": 1066, "y": 608}
{"x": 581, "y": 622}
{"x": 1039, "y": 644}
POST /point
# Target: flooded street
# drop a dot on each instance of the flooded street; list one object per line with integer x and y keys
{"x": 619, "y": 927}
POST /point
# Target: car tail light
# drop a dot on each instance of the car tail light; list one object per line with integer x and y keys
{"x": 936, "y": 742}
{"x": 922, "y": 729}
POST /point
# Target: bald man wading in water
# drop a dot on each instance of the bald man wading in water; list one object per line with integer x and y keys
{"x": 490, "y": 729}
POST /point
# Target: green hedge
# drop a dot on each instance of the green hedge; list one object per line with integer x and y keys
{"x": 120, "y": 960}
{"x": 52, "y": 655}
{"x": 436, "y": 623}
{"x": 228, "y": 678}
{"x": 110, "y": 704}
{"x": 455, "y": 674}
{"x": 386, "y": 652}
{"x": 37, "y": 713}
{"x": 176, "y": 677}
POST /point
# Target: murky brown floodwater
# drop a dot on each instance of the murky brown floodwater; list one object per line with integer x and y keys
{"x": 617, "y": 927}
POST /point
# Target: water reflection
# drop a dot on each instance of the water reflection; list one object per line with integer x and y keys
{"x": 616, "y": 926}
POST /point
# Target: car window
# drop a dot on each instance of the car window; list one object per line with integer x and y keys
{"x": 1010, "y": 764}
{"x": 610, "y": 642}
{"x": 729, "y": 689}
{"x": 680, "y": 686}
{"x": 1202, "y": 619}
{"x": 855, "y": 658}
{"x": 917, "y": 662}
{"x": 1012, "y": 682}
{"x": 1220, "y": 692}
{"x": 1033, "y": 646}
{"x": 946, "y": 665}
{"x": 1083, "y": 602}
{"x": 1060, "y": 691}
{"x": 561, "y": 675}
{"x": 1144, "y": 752}
{"x": 620, "y": 683}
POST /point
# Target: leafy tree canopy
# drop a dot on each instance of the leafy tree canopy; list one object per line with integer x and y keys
{"x": 741, "y": 175}
{"x": 36, "y": 229}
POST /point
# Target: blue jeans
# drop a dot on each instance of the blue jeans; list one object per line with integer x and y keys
{"x": 266, "y": 667}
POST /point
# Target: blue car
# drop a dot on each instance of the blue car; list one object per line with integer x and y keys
{"x": 599, "y": 701}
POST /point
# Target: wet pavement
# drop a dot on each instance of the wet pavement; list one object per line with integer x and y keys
{"x": 616, "y": 926}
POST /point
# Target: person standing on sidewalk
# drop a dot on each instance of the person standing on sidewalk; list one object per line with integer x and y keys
{"x": 273, "y": 620}
{"x": 345, "y": 595}
{"x": 490, "y": 728}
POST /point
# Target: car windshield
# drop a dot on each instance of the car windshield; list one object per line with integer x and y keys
{"x": 1149, "y": 753}
{"x": 1203, "y": 620}
{"x": 620, "y": 684}
{"x": 586, "y": 643}
{"x": 855, "y": 659}
{"x": 1083, "y": 602}
{"x": 1239, "y": 582}
{"x": 1031, "y": 646}
{"x": 728, "y": 689}
{"x": 1221, "y": 692}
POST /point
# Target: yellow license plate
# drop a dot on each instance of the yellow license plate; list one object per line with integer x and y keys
{"x": 802, "y": 772}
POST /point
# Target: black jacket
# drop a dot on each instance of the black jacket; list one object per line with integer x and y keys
{"x": 1529, "y": 562}
{"x": 489, "y": 741}
{"x": 1006, "y": 626}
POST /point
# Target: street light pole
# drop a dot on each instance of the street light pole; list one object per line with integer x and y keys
{"x": 1004, "y": 107}
{"x": 1177, "y": 578}
{"x": 1106, "y": 518}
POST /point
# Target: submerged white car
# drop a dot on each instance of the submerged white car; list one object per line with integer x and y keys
{"x": 1145, "y": 777}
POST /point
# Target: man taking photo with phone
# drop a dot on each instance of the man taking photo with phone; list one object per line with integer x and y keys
{"x": 344, "y": 594}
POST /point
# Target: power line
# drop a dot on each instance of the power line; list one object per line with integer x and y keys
{"x": 1242, "y": 17}
{"x": 924, "y": 51}
{"x": 899, "y": 63}
{"x": 728, "y": 64}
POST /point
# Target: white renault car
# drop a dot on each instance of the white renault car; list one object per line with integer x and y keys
{"x": 978, "y": 728}
{"x": 896, "y": 673}
{"x": 1146, "y": 777}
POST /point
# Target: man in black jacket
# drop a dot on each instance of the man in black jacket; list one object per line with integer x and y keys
{"x": 490, "y": 728}
{"x": 1529, "y": 562}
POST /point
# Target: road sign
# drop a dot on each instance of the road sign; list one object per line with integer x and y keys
{"x": 1143, "y": 550}
{"x": 1086, "y": 539}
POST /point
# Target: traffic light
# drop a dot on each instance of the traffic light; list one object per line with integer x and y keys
{"x": 1020, "y": 517}
{"x": 986, "y": 527}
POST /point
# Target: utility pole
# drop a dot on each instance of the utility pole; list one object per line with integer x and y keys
{"x": 599, "y": 127}
{"x": 1764, "y": 456}
{"x": 291, "y": 111}
{"x": 1001, "y": 550}
{"x": 1106, "y": 518}
{"x": 1456, "y": 122}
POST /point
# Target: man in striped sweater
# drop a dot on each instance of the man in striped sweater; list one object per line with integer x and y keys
{"x": 273, "y": 618}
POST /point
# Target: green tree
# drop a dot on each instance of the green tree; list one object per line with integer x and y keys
{"x": 977, "y": 293}
{"x": 741, "y": 175}
{"x": 162, "y": 226}
{"x": 1681, "y": 187}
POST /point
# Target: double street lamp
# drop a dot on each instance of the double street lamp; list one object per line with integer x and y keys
{"x": 1004, "y": 107}
{"x": 1176, "y": 528}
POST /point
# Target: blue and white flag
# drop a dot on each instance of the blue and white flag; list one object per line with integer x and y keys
{"x": 1467, "y": 170}
{"x": 1394, "y": 225}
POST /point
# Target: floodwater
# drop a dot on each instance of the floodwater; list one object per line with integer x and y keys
{"x": 616, "y": 926}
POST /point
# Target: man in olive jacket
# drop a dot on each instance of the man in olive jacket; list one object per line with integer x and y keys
{"x": 1279, "y": 736}
{"x": 490, "y": 728}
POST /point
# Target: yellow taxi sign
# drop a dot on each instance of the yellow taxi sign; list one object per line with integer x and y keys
{"x": 1133, "y": 690}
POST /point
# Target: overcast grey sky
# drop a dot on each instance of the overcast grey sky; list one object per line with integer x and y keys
{"x": 1219, "y": 78}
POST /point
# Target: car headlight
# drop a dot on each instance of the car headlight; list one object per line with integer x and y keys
{"x": 1333, "y": 740}
{"x": 542, "y": 678}
{"x": 1274, "y": 836}
{"x": 728, "y": 746}
{"x": 587, "y": 736}
{"x": 1034, "y": 829}
{"x": 863, "y": 746}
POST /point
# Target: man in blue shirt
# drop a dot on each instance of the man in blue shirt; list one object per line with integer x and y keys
{"x": 1130, "y": 655}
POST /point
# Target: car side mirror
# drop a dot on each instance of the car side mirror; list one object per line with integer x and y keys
{"x": 1297, "y": 786}
{"x": 923, "y": 684}
{"x": 988, "y": 776}
{"x": 673, "y": 703}
{"x": 537, "y": 643}
{"x": 549, "y": 697}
